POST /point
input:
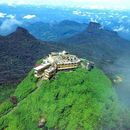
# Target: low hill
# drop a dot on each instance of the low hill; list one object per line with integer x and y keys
{"x": 86, "y": 101}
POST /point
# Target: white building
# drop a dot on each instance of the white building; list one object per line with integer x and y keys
{"x": 54, "y": 62}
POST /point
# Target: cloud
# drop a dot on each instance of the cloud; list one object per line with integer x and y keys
{"x": 77, "y": 12}
{"x": 29, "y": 16}
{"x": 93, "y": 20}
{"x": 111, "y": 16}
{"x": 123, "y": 17}
{"x": 10, "y": 16}
{"x": 2, "y": 15}
{"x": 119, "y": 29}
{"x": 76, "y": 3}
{"x": 9, "y": 25}
{"x": 84, "y": 14}
{"x": 107, "y": 22}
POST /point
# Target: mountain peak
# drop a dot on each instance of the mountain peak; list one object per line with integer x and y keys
{"x": 21, "y": 30}
{"x": 93, "y": 26}
{"x": 21, "y": 33}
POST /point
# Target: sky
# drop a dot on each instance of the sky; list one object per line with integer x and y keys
{"x": 77, "y": 3}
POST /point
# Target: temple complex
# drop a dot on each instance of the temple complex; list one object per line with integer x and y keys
{"x": 56, "y": 62}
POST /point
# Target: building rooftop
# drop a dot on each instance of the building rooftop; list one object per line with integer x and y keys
{"x": 50, "y": 69}
{"x": 41, "y": 66}
{"x": 57, "y": 61}
{"x": 63, "y": 58}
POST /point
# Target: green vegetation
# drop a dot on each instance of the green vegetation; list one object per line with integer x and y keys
{"x": 73, "y": 100}
{"x": 5, "y": 92}
{"x": 5, "y": 107}
{"x": 27, "y": 86}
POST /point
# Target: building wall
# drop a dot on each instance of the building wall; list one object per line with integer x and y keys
{"x": 66, "y": 66}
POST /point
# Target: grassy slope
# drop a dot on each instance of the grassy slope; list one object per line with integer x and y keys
{"x": 27, "y": 86}
{"x": 5, "y": 92}
{"x": 74, "y": 100}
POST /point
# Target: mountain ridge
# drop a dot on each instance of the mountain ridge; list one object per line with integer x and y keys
{"x": 55, "y": 31}
{"x": 19, "y": 51}
{"x": 102, "y": 46}
{"x": 98, "y": 43}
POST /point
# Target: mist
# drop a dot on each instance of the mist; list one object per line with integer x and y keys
{"x": 8, "y": 26}
{"x": 121, "y": 78}
{"x": 123, "y": 88}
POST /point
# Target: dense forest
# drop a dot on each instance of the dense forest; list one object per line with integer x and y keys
{"x": 78, "y": 99}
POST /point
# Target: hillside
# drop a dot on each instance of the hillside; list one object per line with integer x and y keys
{"x": 55, "y": 31}
{"x": 86, "y": 101}
{"x": 20, "y": 50}
{"x": 98, "y": 44}
{"x": 18, "y": 53}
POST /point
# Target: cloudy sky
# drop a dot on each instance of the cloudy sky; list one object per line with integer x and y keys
{"x": 81, "y": 3}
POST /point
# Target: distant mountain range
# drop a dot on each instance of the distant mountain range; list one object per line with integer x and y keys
{"x": 117, "y": 20}
{"x": 95, "y": 43}
{"x": 20, "y": 50}
{"x": 55, "y": 31}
